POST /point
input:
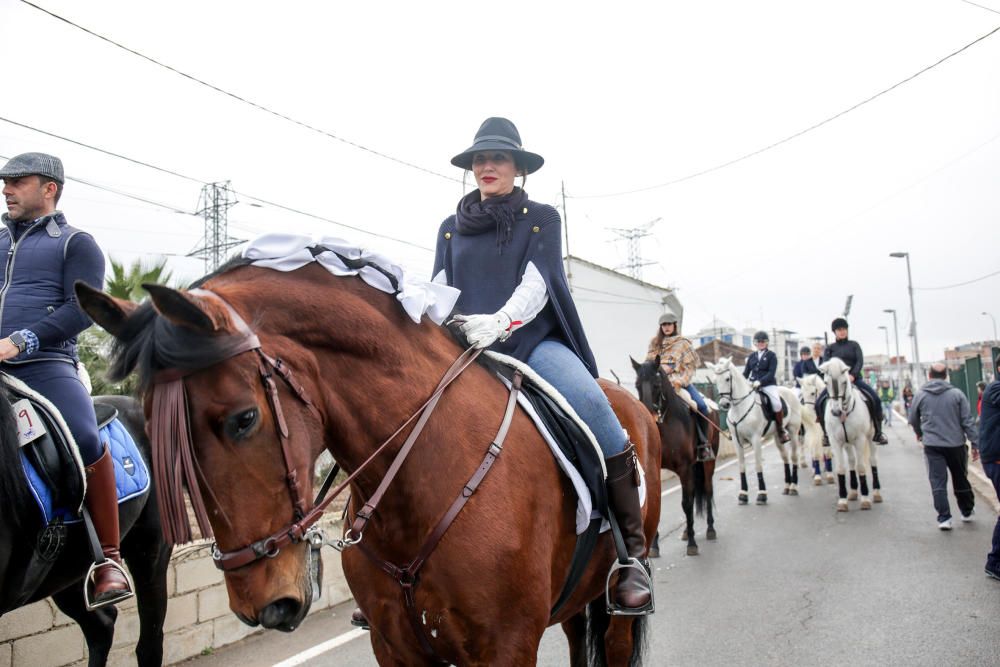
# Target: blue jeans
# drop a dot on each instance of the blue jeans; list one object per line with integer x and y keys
{"x": 993, "y": 559}
{"x": 561, "y": 368}
{"x": 58, "y": 382}
{"x": 698, "y": 398}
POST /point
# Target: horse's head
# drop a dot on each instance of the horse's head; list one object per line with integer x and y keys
{"x": 810, "y": 385}
{"x": 723, "y": 377}
{"x": 838, "y": 385}
{"x": 254, "y": 435}
{"x": 650, "y": 382}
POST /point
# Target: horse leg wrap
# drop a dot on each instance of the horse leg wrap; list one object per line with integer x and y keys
{"x": 875, "y": 482}
{"x": 854, "y": 479}
{"x": 864, "y": 485}
{"x": 842, "y": 486}
{"x": 816, "y": 470}
{"x": 760, "y": 482}
{"x": 828, "y": 462}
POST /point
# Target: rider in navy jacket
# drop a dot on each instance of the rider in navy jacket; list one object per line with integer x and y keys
{"x": 762, "y": 368}
{"x": 41, "y": 259}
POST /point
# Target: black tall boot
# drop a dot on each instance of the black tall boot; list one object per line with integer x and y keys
{"x": 704, "y": 452}
{"x": 111, "y": 585}
{"x": 634, "y": 592}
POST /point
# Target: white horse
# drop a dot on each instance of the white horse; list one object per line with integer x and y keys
{"x": 811, "y": 386}
{"x": 748, "y": 426}
{"x": 850, "y": 430}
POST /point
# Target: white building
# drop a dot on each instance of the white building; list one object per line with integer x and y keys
{"x": 620, "y": 315}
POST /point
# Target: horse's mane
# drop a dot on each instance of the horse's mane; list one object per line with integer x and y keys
{"x": 149, "y": 343}
{"x": 13, "y": 488}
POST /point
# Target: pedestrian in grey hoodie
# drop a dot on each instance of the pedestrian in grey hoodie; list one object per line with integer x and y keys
{"x": 941, "y": 417}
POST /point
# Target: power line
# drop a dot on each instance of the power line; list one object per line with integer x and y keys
{"x": 989, "y": 9}
{"x": 967, "y": 282}
{"x": 195, "y": 180}
{"x": 788, "y": 138}
{"x": 102, "y": 150}
{"x": 243, "y": 99}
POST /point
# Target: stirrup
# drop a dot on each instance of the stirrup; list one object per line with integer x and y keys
{"x": 704, "y": 453}
{"x": 612, "y": 607}
{"x": 119, "y": 596}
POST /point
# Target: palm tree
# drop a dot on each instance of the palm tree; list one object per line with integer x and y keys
{"x": 94, "y": 344}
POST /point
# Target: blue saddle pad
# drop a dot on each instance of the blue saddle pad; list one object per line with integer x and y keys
{"x": 131, "y": 475}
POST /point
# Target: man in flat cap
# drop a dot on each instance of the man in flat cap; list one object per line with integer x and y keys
{"x": 41, "y": 258}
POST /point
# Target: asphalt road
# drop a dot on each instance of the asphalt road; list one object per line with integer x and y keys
{"x": 793, "y": 582}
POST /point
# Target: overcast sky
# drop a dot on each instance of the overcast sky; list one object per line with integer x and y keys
{"x": 616, "y": 97}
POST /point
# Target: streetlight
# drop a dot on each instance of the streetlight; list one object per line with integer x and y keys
{"x": 917, "y": 375}
{"x": 994, "y": 325}
{"x": 899, "y": 368}
{"x": 888, "y": 355}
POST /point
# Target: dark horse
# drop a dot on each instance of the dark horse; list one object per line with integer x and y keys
{"x": 353, "y": 367}
{"x": 678, "y": 444}
{"x": 142, "y": 547}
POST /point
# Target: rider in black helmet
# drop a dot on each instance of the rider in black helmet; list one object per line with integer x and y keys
{"x": 761, "y": 370}
{"x": 850, "y": 353}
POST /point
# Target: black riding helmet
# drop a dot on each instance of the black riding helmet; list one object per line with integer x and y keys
{"x": 804, "y": 350}
{"x": 839, "y": 323}
{"x": 760, "y": 336}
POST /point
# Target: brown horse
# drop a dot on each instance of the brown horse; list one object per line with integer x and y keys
{"x": 355, "y": 368}
{"x": 678, "y": 447}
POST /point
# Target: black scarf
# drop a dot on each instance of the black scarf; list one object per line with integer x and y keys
{"x": 475, "y": 216}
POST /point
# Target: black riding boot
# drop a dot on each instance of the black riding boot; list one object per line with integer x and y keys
{"x": 634, "y": 590}
{"x": 358, "y": 619}
{"x": 704, "y": 452}
{"x": 821, "y": 418}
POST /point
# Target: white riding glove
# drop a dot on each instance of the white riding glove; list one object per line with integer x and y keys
{"x": 756, "y": 384}
{"x": 483, "y": 330}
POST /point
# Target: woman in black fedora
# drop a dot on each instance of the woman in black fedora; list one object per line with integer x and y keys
{"x": 504, "y": 252}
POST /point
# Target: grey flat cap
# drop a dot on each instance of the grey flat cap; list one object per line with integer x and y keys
{"x": 28, "y": 164}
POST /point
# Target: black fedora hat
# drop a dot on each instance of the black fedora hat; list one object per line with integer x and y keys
{"x": 499, "y": 134}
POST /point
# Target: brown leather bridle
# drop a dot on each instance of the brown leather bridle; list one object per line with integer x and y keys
{"x": 168, "y": 388}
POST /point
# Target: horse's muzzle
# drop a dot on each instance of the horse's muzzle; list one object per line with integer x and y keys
{"x": 285, "y": 614}
{"x": 724, "y": 403}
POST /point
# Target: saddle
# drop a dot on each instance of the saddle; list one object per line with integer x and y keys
{"x": 765, "y": 405}
{"x": 51, "y": 458}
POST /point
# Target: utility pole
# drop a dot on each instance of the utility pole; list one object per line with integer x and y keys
{"x": 633, "y": 235}
{"x": 899, "y": 366}
{"x": 213, "y": 205}
{"x": 569, "y": 269}
{"x": 918, "y": 375}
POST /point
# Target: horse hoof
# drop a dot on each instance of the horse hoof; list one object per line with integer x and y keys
{"x": 877, "y": 497}
{"x": 785, "y": 491}
{"x": 866, "y": 504}
{"x": 803, "y": 465}
{"x": 761, "y": 498}
{"x": 710, "y": 534}
{"x": 743, "y": 500}
{"x": 829, "y": 478}
{"x": 817, "y": 481}
{"x": 793, "y": 491}
{"x": 853, "y": 495}
{"x": 692, "y": 551}
{"x": 654, "y": 552}
{"x": 841, "y": 505}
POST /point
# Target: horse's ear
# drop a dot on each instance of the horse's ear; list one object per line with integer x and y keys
{"x": 710, "y": 366}
{"x": 635, "y": 364}
{"x": 824, "y": 366}
{"x": 181, "y": 309}
{"x": 109, "y": 313}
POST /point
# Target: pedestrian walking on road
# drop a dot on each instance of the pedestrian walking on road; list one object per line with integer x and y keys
{"x": 885, "y": 396}
{"x": 989, "y": 453}
{"x": 942, "y": 420}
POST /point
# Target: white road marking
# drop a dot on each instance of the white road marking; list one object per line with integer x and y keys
{"x": 320, "y": 649}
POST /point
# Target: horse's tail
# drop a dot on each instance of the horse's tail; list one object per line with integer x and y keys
{"x": 700, "y": 487}
{"x": 598, "y": 621}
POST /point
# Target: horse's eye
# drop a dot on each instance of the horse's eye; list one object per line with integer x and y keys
{"x": 241, "y": 424}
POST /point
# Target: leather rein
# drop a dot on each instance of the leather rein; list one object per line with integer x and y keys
{"x": 300, "y": 529}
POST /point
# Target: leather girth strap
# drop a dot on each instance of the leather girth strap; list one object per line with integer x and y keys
{"x": 407, "y": 576}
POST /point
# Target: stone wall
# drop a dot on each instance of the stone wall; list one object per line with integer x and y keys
{"x": 198, "y": 617}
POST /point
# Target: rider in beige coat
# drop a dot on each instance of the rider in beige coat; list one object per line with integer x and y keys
{"x": 679, "y": 362}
